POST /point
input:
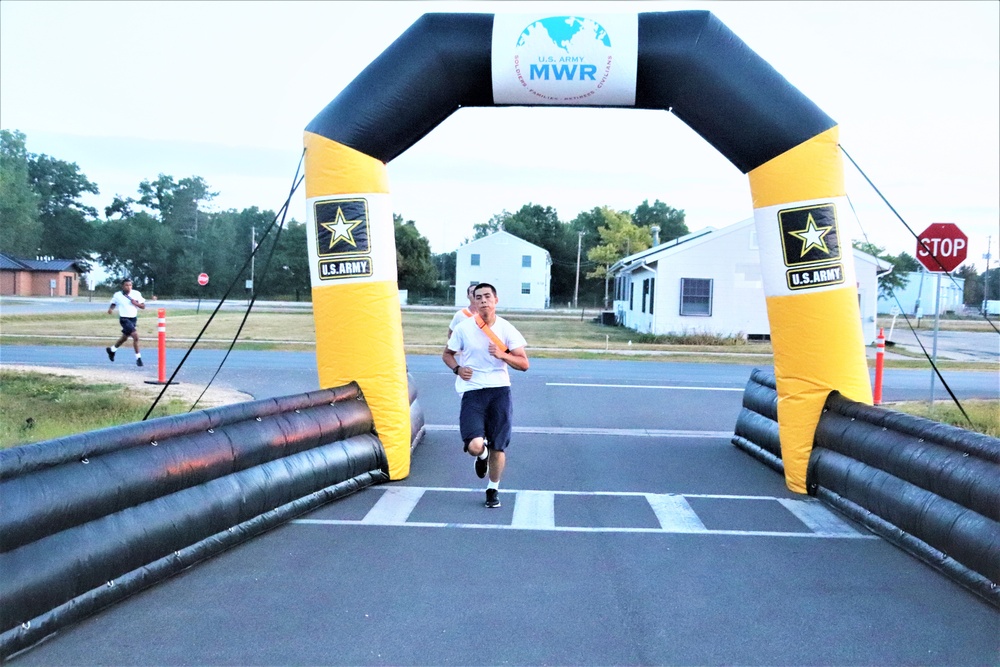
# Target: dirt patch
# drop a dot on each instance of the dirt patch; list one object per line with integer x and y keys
{"x": 137, "y": 384}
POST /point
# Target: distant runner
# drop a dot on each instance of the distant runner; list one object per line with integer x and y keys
{"x": 129, "y": 303}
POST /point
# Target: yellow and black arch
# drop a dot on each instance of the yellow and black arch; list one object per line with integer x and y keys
{"x": 686, "y": 62}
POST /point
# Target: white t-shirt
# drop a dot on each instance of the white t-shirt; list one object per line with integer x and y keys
{"x": 125, "y": 307}
{"x": 460, "y": 317}
{"x": 474, "y": 346}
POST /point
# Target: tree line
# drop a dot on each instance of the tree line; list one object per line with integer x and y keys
{"x": 164, "y": 236}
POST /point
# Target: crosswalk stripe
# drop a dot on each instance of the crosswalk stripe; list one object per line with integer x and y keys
{"x": 675, "y": 514}
{"x": 535, "y": 510}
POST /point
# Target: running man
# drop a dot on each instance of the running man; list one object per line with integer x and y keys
{"x": 129, "y": 303}
{"x": 488, "y": 344}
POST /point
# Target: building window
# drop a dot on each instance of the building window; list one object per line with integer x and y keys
{"x": 696, "y": 296}
{"x": 475, "y": 259}
{"x": 631, "y": 296}
{"x": 652, "y": 285}
{"x": 645, "y": 293}
{"x": 69, "y": 285}
{"x": 525, "y": 261}
{"x": 525, "y": 288}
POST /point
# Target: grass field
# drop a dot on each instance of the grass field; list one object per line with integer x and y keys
{"x": 37, "y": 406}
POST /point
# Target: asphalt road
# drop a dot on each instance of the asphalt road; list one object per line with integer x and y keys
{"x": 631, "y": 533}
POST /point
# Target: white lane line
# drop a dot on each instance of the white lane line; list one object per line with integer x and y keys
{"x": 534, "y": 509}
{"x": 621, "y": 432}
{"x": 640, "y": 386}
{"x": 395, "y": 506}
{"x": 818, "y": 517}
{"x": 675, "y": 514}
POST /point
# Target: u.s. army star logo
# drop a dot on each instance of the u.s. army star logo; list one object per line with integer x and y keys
{"x": 809, "y": 234}
{"x": 342, "y": 227}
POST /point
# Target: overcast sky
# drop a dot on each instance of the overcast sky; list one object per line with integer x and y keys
{"x": 128, "y": 90}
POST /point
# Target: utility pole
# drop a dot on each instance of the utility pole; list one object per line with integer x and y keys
{"x": 253, "y": 256}
{"x": 579, "y": 245}
{"x": 986, "y": 276}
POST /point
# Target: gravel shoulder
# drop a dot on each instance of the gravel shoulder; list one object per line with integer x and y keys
{"x": 215, "y": 396}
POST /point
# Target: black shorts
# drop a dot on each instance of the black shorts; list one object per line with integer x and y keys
{"x": 487, "y": 413}
{"x": 128, "y": 324}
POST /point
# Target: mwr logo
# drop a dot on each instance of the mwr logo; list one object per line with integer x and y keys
{"x": 563, "y": 58}
{"x": 341, "y": 227}
{"x": 331, "y": 269}
{"x": 809, "y": 234}
{"x": 815, "y": 277}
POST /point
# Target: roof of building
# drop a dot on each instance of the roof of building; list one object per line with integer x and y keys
{"x": 11, "y": 263}
{"x": 627, "y": 264}
{"x": 501, "y": 233}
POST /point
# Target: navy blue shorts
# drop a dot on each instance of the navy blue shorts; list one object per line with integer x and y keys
{"x": 487, "y": 413}
{"x": 128, "y": 324}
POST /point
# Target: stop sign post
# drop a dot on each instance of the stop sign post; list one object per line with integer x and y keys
{"x": 202, "y": 280}
{"x": 942, "y": 247}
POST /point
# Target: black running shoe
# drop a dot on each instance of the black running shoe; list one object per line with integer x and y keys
{"x": 138, "y": 361}
{"x": 111, "y": 355}
{"x": 492, "y": 498}
{"x": 482, "y": 466}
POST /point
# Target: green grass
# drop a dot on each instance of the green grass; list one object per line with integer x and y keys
{"x": 985, "y": 415}
{"x": 58, "y": 406}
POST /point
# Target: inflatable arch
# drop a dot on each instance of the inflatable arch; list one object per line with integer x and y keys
{"x": 686, "y": 62}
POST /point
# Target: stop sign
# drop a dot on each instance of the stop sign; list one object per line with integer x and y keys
{"x": 202, "y": 278}
{"x": 942, "y": 247}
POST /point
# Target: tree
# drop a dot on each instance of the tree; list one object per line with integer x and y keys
{"x": 20, "y": 229}
{"x": 889, "y": 282}
{"x": 620, "y": 237}
{"x": 972, "y": 292}
{"x": 414, "y": 269}
{"x": 68, "y": 230}
{"x": 541, "y": 226}
{"x": 136, "y": 247}
{"x": 670, "y": 220}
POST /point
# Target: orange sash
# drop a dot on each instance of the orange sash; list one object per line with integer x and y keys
{"x": 489, "y": 334}
{"x": 468, "y": 313}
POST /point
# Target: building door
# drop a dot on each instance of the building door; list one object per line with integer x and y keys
{"x": 68, "y": 281}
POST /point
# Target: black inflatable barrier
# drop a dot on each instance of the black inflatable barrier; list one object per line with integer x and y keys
{"x": 92, "y": 518}
{"x": 756, "y": 429}
{"x": 930, "y": 488}
{"x": 417, "y": 423}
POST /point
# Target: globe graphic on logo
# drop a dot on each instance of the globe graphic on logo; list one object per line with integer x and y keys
{"x": 563, "y": 59}
{"x": 564, "y": 32}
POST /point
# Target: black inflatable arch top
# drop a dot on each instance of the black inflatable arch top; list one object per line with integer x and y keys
{"x": 689, "y": 63}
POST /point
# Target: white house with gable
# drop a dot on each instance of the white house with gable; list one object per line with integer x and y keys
{"x": 521, "y": 271}
{"x": 710, "y": 282}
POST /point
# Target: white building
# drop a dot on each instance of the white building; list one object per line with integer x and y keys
{"x": 521, "y": 271}
{"x": 710, "y": 282}
{"x": 921, "y": 287}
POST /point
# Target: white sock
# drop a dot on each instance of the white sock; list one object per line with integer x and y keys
{"x": 138, "y": 355}
{"x": 114, "y": 349}
{"x": 493, "y": 485}
{"x": 485, "y": 454}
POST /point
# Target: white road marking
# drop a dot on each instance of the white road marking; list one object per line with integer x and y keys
{"x": 394, "y": 506}
{"x": 535, "y": 510}
{"x": 675, "y": 514}
{"x": 820, "y": 518}
{"x": 641, "y": 386}
{"x": 622, "y": 432}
